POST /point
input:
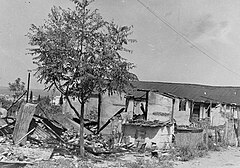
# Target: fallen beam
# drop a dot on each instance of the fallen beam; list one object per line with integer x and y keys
{"x": 109, "y": 120}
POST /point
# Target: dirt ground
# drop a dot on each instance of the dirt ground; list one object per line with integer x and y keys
{"x": 226, "y": 158}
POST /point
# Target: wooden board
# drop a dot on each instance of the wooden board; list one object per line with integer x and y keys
{"x": 23, "y": 120}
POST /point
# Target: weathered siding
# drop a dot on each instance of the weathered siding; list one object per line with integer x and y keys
{"x": 159, "y": 107}
{"x": 191, "y": 139}
{"x": 181, "y": 117}
{"x": 161, "y": 136}
{"x": 218, "y": 116}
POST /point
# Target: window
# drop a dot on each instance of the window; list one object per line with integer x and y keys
{"x": 182, "y": 105}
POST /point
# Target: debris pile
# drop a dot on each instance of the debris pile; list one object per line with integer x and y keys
{"x": 15, "y": 154}
{"x": 32, "y": 137}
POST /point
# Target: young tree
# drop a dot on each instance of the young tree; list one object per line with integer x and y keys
{"x": 17, "y": 87}
{"x": 79, "y": 53}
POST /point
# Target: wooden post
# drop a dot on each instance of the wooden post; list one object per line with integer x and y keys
{"x": 206, "y": 134}
{"x": 226, "y": 126}
{"x": 146, "y": 105}
{"x": 208, "y": 123}
{"x": 23, "y": 120}
{"x": 173, "y": 102}
{"x": 28, "y": 84}
{"x": 99, "y": 111}
{"x": 216, "y": 136}
{"x": 191, "y": 112}
{"x": 238, "y": 125}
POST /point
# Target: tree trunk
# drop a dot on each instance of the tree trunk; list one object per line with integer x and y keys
{"x": 81, "y": 139}
{"x": 81, "y": 119}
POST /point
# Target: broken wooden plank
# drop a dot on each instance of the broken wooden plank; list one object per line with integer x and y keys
{"x": 52, "y": 131}
{"x": 20, "y": 140}
{"x": 24, "y": 117}
{"x": 40, "y": 134}
{"x": 109, "y": 120}
{"x": 16, "y": 101}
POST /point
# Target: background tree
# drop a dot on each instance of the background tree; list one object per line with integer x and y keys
{"x": 17, "y": 87}
{"x": 78, "y": 52}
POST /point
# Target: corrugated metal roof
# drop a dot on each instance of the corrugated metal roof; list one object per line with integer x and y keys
{"x": 198, "y": 93}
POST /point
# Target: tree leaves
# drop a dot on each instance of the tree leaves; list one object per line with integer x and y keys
{"x": 17, "y": 87}
{"x": 80, "y": 52}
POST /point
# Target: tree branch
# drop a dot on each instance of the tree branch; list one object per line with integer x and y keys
{"x": 72, "y": 107}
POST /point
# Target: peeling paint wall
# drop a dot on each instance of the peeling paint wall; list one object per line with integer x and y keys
{"x": 159, "y": 107}
{"x": 182, "y": 117}
{"x": 160, "y": 136}
{"x": 190, "y": 139}
{"x": 218, "y": 116}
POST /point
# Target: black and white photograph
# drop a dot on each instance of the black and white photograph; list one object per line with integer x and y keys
{"x": 119, "y": 83}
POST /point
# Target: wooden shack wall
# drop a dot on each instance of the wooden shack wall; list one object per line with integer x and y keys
{"x": 191, "y": 139}
{"x": 159, "y": 107}
{"x": 161, "y": 136}
{"x": 181, "y": 117}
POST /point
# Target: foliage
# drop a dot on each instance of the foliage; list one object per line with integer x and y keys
{"x": 215, "y": 147}
{"x": 187, "y": 153}
{"x": 8, "y": 103}
{"x": 17, "y": 87}
{"x": 78, "y": 52}
{"x": 93, "y": 114}
{"x": 45, "y": 107}
{"x": 5, "y": 103}
{"x": 201, "y": 146}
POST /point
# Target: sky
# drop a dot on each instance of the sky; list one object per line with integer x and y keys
{"x": 160, "y": 54}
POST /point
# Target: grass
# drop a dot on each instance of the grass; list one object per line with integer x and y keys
{"x": 186, "y": 153}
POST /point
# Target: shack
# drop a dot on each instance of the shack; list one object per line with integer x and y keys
{"x": 151, "y": 120}
{"x": 216, "y": 108}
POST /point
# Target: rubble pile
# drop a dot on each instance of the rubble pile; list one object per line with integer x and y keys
{"x": 96, "y": 144}
{"x": 11, "y": 153}
{"x": 56, "y": 137}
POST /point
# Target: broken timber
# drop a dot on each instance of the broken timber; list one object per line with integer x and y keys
{"x": 23, "y": 120}
{"x": 109, "y": 120}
